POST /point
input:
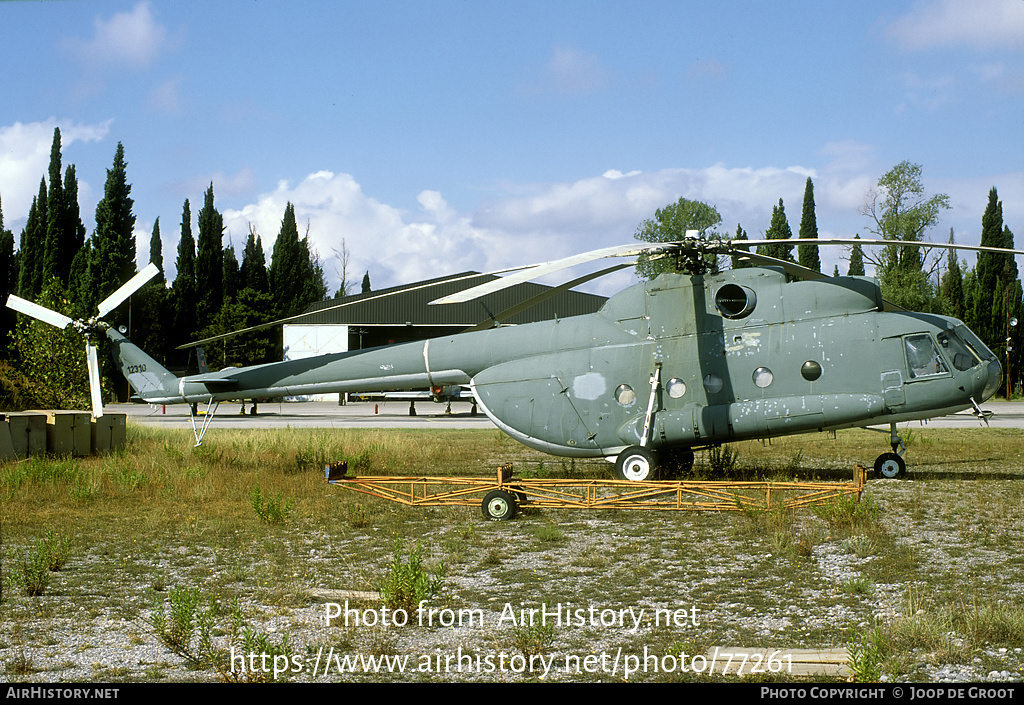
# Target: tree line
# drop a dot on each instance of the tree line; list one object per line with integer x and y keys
{"x": 61, "y": 267}
{"x": 987, "y": 297}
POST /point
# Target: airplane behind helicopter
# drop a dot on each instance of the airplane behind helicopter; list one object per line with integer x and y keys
{"x": 682, "y": 362}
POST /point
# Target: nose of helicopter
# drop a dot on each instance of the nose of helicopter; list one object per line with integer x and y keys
{"x": 993, "y": 379}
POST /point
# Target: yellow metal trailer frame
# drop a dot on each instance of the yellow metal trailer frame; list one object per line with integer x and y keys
{"x": 503, "y": 495}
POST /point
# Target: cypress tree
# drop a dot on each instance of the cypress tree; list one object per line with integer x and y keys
{"x": 209, "y": 267}
{"x": 8, "y": 281}
{"x": 856, "y": 260}
{"x": 33, "y": 240}
{"x": 985, "y": 319}
{"x": 231, "y": 278}
{"x": 156, "y": 253}
{"x": 57, "y": 256}
{"x": 738, "y": 263}
{"x": 809, "y": 230}
{"x": 952, "y": 284}
{"x": 778, "y": 230}
{"x": 114, "y": 237}
{"x": 184, "y": 287}
{"x": 286, "y": 265}
{"x": 74, "y": 235}
{"x": 253, "y": 270}
{"x": 366, "y": 283}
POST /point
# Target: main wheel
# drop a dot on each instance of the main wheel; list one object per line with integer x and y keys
{"x": 675, "y": 463}
{"x": 499, "y": 505}
{"x": 891, "y": 466}
{"x": 636, "y": 464}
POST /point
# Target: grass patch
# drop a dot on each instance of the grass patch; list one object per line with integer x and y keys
{"x": 163, "y": 515}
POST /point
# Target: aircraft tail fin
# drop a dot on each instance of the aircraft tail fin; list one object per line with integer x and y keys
{"x": 150, "y": 380}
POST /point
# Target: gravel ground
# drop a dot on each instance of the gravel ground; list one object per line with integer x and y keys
{"x": 91, "y": 625}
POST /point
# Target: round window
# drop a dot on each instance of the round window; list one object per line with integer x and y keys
{"x": 713, "y": 383}
{"x": 763, "y": 377}
{"x": 625, "y": 395}
{"x": 810, "y": 370}
{"x": 676, "y": 387}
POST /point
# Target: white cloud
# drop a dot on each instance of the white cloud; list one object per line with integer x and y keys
{"x": 132, "y": 39}
{"x": 25, "y": 158}
{"x": 982, "y": 24}
{"x": 393, "y": 246}
{"x": 166, "y": 97}
{"x": 569, "y": 71}
{"x": 539, "y": 222}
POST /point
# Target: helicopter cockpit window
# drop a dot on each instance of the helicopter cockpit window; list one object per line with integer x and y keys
{"x": 957, "y": 351}
{"x": 976, "y": 346}
{"x": 923, "y": 357}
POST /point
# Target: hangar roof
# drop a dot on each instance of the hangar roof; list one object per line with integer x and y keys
{"x": 402, "y": 305}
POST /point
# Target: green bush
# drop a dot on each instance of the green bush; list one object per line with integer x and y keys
{"x": 407, "y": 583}
{"x": 272, "y": 510}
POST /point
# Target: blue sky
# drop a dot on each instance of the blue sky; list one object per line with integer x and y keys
{"x": 438, "y": 136}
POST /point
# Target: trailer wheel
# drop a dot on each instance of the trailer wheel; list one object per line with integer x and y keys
{"x": 499, "y": 505}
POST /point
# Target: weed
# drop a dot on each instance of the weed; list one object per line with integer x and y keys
{"x": 857, "y": 586}
{"x": 22, "y": 664}
{"x": 407, "y": 582}
{"x": 850, "y": 515}
{"x": 271, "y": 509}
{"x": 533, "y": 639}
{"x": 31, "y": 569}
{"x": 722, "y": 461}
{"x": 187, "y": 628}
{"x": 58, "y": 549}
{"x": 358, "y": 516}
{"x": 548, "y": 533}
{"x": 866, "y": 657}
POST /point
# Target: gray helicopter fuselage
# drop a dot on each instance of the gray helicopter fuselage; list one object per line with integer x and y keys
{"x": 732, "y": 356}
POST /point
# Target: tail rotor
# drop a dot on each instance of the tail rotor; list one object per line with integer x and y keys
{"x": 88, "y": 328}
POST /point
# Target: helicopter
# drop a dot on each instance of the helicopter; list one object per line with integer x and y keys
{"x": 688, "y": 360}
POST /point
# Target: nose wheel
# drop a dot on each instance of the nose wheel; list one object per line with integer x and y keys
{"x": 892, "y": 465}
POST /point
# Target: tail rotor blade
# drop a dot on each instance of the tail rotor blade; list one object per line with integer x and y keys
{"x": 127, "y": 289}
{"x": 95, "y": 391}
{"x": 39, "y": 312}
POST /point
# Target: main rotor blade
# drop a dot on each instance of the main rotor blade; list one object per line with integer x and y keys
{"x": 538, "y": 270}
{"x": 95, "y": 390}
{"x": 38, "y": 312}
{"x": 791, "y": 268}
{"x": 127, "y": 289}
{"x": 543, "y": 296}
{"x": 343, "y": 304}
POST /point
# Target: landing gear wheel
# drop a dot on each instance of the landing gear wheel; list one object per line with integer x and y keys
{"x": 499, "y": 505}
{"x": 675, "y": 462}
{"x": 891, "y": 466}
{"x": 636, "y": 464}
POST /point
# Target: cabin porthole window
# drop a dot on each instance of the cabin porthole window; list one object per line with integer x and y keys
{"x": 810, "y": 370}
{"x": 676, "y": 387}
{"x": 625, "y": 395}
{"x": 763, "y": 377}
{"x": 713, "y": 383}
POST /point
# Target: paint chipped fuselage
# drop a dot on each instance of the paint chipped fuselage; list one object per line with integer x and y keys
{"x": 731, "y": 356}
